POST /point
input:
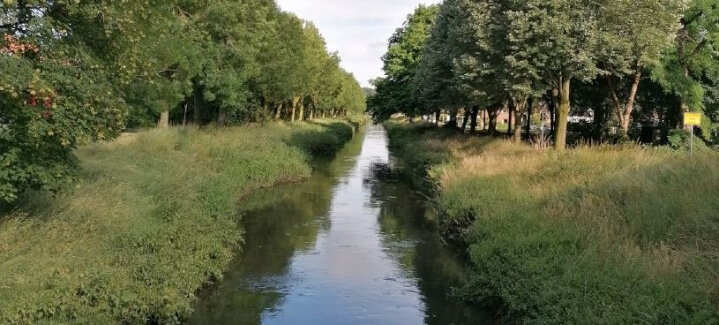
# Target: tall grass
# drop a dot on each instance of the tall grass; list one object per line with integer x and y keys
{"x": 152, "y": 220}
{"x": 610, "y": 235}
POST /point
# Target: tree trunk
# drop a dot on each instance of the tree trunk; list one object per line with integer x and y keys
{"x": 682, "y": 37}
{"x": 164, "y": 122}
{"x": 685, "y": 103}
{"x": 295, "y": 100}
{"x": 624, "y": 109}
{"x": 560, "y": 135}
{"x": 184, "y": 112}
{"x": 554, "y": 99}
{"x": 221, "y": 117}
{"x": 511, "y": 111}
{"x": 437, "y": 115}
{"x": 278, "y": 113}
{"x": 467, "y": 114}
{"x": 302, "y": 111}
{"x": 485, "y": 114}
{"x": 528, "y": 126}
{"x": 519, "y": 108}
{"x": 473, "y": 124}
{"x": 453, "y": 118}
{"x": 197, "y": 114}
{"x": 492, "y": 116}
{"x": 629, "y": 108}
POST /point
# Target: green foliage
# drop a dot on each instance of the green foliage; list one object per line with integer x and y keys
{"x": 435, "y": 83}
{"x": 326, "y": 143}
{"x": 692, "y": 64}
{"x": 82, "y": 71}
{"x": 417, "y": 156}
{"x": 394, "y": 92}
{"x": 153, "y": 219}
{"x": 681, "y": 140}
{"x": 506, "y": 53}
{"x": 48, "y": 109}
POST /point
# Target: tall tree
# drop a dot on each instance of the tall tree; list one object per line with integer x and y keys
{"x": 434, "y": 84}
{"x": 692, "y": 67}
{"x": 401, "y": 63}
{"x": 639, "y": 33}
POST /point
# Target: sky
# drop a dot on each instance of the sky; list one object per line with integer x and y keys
{"x": 357, "y": 29}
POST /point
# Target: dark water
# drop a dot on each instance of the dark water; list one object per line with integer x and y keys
{"x": 351, "y": 245}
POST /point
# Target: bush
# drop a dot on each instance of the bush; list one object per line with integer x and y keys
{"x": 418, "y": 156}
{"x": 45, "y": 115}
{"x": 681, "y": 140}
{"x": 327, "y": 139}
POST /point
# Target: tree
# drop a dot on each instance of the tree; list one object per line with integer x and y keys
{"x": 61, "y": 67}
{"x": 73, "y": 71}
{"x": 639, "y": 33}
{"x": 565, "y": 33}
{"x": 691, "y": 69}
{"x": 434, "y": 84}
{"x": 237, "y": 30}
{"x": 400, "y": 65}
{"x": 516, "y": 64}
{"x": 316, "y": 64}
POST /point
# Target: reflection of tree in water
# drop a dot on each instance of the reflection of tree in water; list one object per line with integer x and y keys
{"x": 412, "y": 239}
{"x": 278, "y": 223}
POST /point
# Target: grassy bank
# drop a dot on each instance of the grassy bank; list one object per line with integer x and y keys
{"x": 591, "y": 236}
{"x": 152, "y": 220}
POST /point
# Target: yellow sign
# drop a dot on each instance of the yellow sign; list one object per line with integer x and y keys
{"x": 692, "y": 119}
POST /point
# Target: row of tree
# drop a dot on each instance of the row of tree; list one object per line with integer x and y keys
{"x": 78, "y": 71}
{"x": 627, "y": 60}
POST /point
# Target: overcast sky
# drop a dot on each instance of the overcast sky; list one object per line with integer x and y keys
{"x": 357, "y": 29}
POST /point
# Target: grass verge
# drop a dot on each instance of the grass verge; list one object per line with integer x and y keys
{"x": 603, "y": 235}
{"x": 152, "y": 220}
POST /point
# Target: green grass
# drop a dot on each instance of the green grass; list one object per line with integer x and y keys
{"x": 602, "y": 235}
{"x": 153, "y": 219}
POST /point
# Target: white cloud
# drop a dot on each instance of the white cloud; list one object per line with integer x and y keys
{"x": 357, "y": 29}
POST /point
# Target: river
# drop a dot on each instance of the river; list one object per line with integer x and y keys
{"x": 352, "y": 245}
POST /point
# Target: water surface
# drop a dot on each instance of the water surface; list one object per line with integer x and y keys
{"x": 352, "y": 245}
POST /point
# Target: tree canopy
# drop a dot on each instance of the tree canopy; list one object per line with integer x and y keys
{"x": 78, "y": 71}
{"x": 394, "y": 92}
{"x": 629, "y": 60}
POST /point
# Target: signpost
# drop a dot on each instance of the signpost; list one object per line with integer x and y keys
{"x": 692, "y": 119}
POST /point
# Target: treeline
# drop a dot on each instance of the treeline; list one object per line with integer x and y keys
{"x": 626, "y": 61}
{"x": 78, "y": 71}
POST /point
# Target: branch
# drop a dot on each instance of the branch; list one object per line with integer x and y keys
{"x": 687, "y": 22}
{"x": 698, "y": 49}
{"x": 615, "y": 98}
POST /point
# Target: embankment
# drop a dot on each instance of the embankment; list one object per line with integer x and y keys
{"x": 603, "y": 235}
{"x": 151, "y": 221}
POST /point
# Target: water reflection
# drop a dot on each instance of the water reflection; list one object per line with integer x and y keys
{"x": 349, "y": 246}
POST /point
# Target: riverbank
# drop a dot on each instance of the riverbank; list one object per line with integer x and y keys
{"x": 152, "y": 220}
{"x": 594, "y": 235}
